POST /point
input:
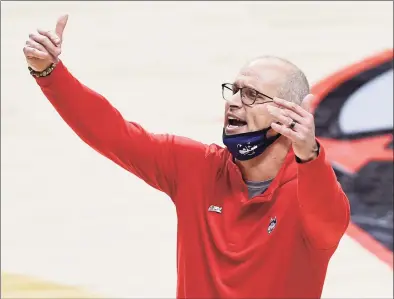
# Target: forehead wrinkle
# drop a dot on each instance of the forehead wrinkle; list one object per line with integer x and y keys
{"x": 255, "y": 83}
{"x": 244, "y": 80}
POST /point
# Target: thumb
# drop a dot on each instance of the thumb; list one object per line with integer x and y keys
{"x": 307, "y": 102}
{"x": 60, "y": 25}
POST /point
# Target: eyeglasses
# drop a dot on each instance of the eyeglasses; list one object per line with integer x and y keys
{"x": 249, "y": 96}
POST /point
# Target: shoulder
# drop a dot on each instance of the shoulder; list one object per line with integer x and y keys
{"x": 207, "y": 150}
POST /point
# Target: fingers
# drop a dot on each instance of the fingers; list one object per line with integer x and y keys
{"x": 51, "y": 35}
{"x": 307, "y": 102}
{"x": 34, "y": 45}
{"x": 285, "y": 116}
{"x": 44, "y": 46}
{"x": 34, "y": 53}
{"x": 287, "y": 132}
{"x": 292, "y": 106}
{"x": 46, "y": 43}
{"x": 57, "y": 35}
{"x": 60, "y": 25}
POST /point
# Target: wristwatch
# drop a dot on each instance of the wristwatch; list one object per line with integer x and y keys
{"x": 43, "y": 73}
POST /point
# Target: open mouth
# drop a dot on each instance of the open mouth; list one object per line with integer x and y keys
{"x": 236, "y": 123}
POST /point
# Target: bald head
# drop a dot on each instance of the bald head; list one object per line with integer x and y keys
{"x": 295, "y": 86}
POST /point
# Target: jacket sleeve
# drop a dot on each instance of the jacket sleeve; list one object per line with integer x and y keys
{"x": 158, "y": 159}
{"x": 324, "y": 207}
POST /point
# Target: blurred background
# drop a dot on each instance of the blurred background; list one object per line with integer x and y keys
{"x": 75, "y": 225}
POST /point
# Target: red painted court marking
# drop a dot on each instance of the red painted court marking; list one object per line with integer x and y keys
{"x": 320, "y": 90}
{"x": 369, "y": 243}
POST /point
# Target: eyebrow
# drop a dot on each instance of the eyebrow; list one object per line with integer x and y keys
{"x": 237, "y": 83}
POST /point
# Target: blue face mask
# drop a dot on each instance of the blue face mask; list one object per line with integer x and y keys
{"x": 246, "y": 146}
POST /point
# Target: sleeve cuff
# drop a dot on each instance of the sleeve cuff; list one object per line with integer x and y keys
{"x": 299, "y": 161}
{"x": 316, "y": 165}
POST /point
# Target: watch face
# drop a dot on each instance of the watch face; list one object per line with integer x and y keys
{"x": 354, "y": 122}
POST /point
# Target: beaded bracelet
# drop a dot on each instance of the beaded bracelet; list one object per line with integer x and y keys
{"x": 43, "y": 73}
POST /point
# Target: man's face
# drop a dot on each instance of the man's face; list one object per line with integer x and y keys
{"x": 264, "y": 76}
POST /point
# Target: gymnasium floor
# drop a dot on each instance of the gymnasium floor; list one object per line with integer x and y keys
{"x": 73, "y": 224}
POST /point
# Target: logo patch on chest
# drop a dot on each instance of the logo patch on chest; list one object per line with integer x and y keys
{"x": 215, "y": 209}
{"x": 272, "y": 225}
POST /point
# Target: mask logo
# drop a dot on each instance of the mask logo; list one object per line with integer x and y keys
{"x": 246, "y": 149}
{"x": 249, "y": 145}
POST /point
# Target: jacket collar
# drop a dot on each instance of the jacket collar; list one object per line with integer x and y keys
{"x": 286, "y": 173}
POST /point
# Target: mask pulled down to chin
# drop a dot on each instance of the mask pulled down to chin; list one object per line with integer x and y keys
{"x": 246, "y": 146}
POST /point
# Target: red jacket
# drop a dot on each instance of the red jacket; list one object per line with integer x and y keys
{"x": 276, "y": 245}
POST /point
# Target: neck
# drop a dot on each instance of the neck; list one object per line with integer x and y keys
{"x": 267, "y": 165}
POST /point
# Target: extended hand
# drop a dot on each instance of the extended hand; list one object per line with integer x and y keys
{"x": 44, "y": 46}
{"x": 302, "y": 134}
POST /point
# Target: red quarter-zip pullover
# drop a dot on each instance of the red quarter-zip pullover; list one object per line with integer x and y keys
{"x": 276, "y": 245}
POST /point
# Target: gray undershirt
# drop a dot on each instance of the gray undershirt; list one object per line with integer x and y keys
{"x": 257, "y": 188}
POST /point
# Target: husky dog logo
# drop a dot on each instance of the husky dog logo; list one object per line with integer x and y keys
{"x": 272, "y": 225}
{"x": 354, "y": 122}
{"x": 247, "y": 149}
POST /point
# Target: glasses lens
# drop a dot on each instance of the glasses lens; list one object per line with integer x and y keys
{"x": 227, "y": 91}
{"x": 248, "y": 96}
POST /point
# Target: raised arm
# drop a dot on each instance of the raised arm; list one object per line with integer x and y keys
{"x": 324, "y": 207}
{"x": 160, "y": 160}
{"x": 323, "y": 204}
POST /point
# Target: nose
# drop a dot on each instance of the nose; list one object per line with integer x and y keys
{"x": 235, "y": 101}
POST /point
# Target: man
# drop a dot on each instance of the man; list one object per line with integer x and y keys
{"x": 259, "y": 218}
